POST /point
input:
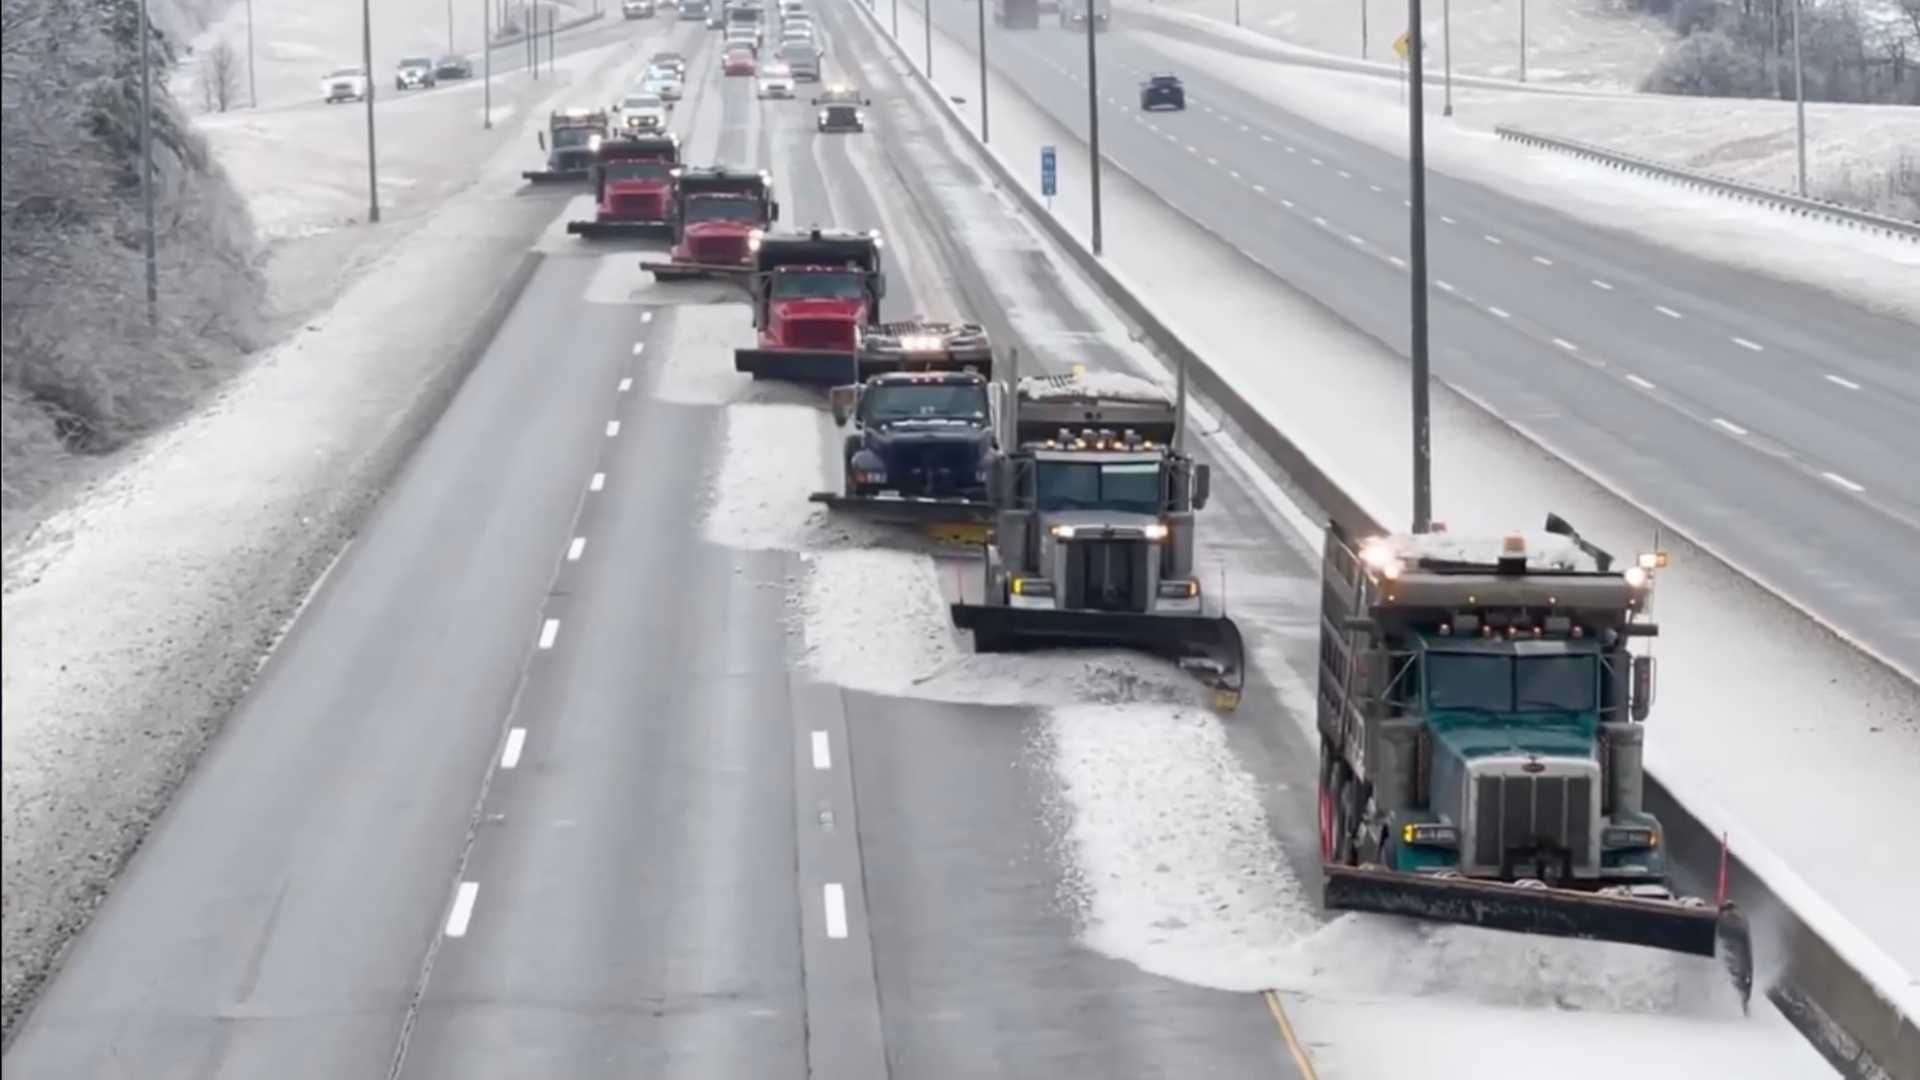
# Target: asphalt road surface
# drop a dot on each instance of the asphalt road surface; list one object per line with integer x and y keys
{"x": 1775, "y": 423}
{"x": 532, "y": 788}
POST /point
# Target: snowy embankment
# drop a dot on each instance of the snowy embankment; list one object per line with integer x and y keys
{"x": 136, "y": 617}
{"x": 1491, "y": 478}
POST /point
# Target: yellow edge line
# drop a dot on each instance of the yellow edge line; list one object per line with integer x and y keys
{"x": 1299, "y": 1052}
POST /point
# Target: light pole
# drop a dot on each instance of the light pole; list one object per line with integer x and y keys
{"x": 146, "y": 168}
{"x": 1417, "y": 250}
{"x": 253, "y": 92}
{"x": 1799, "y": 103}
{"x": 1446, "y": 32}
{"x": 1093, "y": 129}
{"x": 449, "y": 26}
{"x": 366, "y": 66}
{"x": 1523, "y": 40}
{"x": 486, "y": 64}
{"x": 1236, "y": 12}
{"x": 981, "y": 8}
{"x": 896, "y": 18}
{"x": 928, "y": 27}
{"x": 1363, "y": 29}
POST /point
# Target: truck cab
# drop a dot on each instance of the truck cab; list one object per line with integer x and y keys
{"x": 926, "y": 434}
{"x": 633, "y": 186}
{"x": 815, "y": 294}
{"x": 569, "y": 143}
{"x": 716, "y": 213}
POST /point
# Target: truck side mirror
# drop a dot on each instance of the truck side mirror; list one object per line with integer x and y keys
{"x": 879, "y": 286}
{"x": 1202, "y": 485}
{"x": 843, "y": 398}
{"x": 541, "y": 138}
{"x": 774, "y": 215}
{"x": 1642, "y": 688}
{"x": 999, "y": 481}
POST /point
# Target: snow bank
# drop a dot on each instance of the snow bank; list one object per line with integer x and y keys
{"x": 1545, "y": 551}
{"x": 1172, "y": 867}
{"x": 772, "y": 462}
{"x": 695, "y": 366}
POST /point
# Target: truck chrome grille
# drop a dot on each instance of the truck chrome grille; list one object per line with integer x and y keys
{"x": 1524, "y": 816}
{"x": 820, "y": 334}
{"x": 718, "y": 249}
{"x": 1107, "y": 575}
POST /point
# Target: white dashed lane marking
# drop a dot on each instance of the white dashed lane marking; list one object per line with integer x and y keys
{"x": 516, "y": 742}
{"x": 549, "y": 630}
{"x": 1598, "y": 284}
{"x": 1844, "y": 482}
{"x": 1640, "y": 382}
{"x": 462, "y": 912}
{"x": 1750, "y": 346}
{"x": 1730, "y": 426}
{"x": 1667, "y": 311}
{"x": 836, "y": 904}
{"x": 1847, "y": 383}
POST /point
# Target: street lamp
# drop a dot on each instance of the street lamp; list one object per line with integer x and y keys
{"x": 1446, "y": 32}
{"x": 253, "y": 92}
{"x": 486, "y": 64}
{"x": 1093, "y": 126}
{"x": 146, "y": 166}
{"x": 980, "y": 6}
{"x": 1799, "y": 103}
{"x": 366, "y": 66}
{"x": 1417, "y": 249}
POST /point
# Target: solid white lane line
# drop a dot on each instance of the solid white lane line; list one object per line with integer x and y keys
{"x": 574, "y": 549}
{"x": 599, "y": 481}
{"x": 1752, "y": 346}
{"x": 1565, "y": 344}
{"x": 1500, "y": 312}
{"x": 836, "y": 898}
{"x": 639, "y": 347}
{"x": 516, "y": 742}
{"x": 1730, "y": 426}
{"x": 1838, "y": 381}
{"x": 1598, "y": 284}
{"x": 613, "y": 428}
{"x": 548, "y": 631}
{"x": 1491, "y": 239}
{"x": 1844, "y": 482}
{"x": 462, "y": 912}
{"x": 1543, "y": 260}
{"x": 1639, "y": 382}
{"x": 822, "y": 755}
{"x": 626, "y": 385}
{"x": 1667, "y": 311}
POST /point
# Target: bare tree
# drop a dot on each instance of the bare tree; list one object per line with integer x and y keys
{"x": 219, "y": 76}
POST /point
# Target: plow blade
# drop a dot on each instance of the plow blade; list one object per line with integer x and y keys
{"x": 954, "y": 520}
{"x": 679, "y": 271}
{"x": 1698, "y": 929}
{"x": 1207, "y": 646}
{"x": 557, "y": 176}
{"x": 620, "y": 230}
{"x": 813, "y": 367}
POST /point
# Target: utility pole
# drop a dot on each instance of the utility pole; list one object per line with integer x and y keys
{"x": 1523, "y": 40}
{"x": 449, "y": 26}
{"x": 553, "y": 19}
{"x": 1236, "y": 12}
{"x": 486, "y": 64}
{"x": 980, "y": 7}
{"x": 1417, "y": 250}
{"x": 928, "y": 27}
{"x": 366, "y": 64}
{"x": 1799, "y": 102}
{"x": 1093, "y": 129}
{"x": 146, "y": 167}
{"x": 253, "y": 91}
{"x": 896, "y": 17}
{"x": 1363, "y": 29}
{"x": 1446, "y": 33}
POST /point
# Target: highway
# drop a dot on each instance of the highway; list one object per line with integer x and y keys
{"x": 1772, "y": 422}
{"x": 535, "y": 788}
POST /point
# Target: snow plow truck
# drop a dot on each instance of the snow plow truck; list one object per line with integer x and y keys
{"x": 569, "y": 144}
{"x": 1481, "y": 725}
{"x": 1093, "y": 532}
{"x": 814, "y": 295}
{"x": 716, "y": 212}
{"x": 632, "y": 187}
{"x": 918, "y": 448}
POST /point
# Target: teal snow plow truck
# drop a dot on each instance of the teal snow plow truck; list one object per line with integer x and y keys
{"x": 1481, "y": 723}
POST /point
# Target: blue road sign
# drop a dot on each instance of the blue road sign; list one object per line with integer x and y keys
{"x": 1046, "y": 171}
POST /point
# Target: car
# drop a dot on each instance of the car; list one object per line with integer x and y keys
{"x": 738, "y": 60}
{"x": 663, "y": 86}
{"x": 414, "y": 73}
{"x": 790, "y": 8}
{"x": 344, "y": 84}
{"x": 694, "y": 10}
{"x": 453, "y": 67}
{"x": 671, "y": 61}
{"x": 642, "y": 114}
{"x": 776, "y": 81}
{"x": 803, "y": 58}
{"x": 796, "y": 34}
{"x": 636, "y": 9}
{"x": 1163, "y": 92}
{"x": 841, "y": 110}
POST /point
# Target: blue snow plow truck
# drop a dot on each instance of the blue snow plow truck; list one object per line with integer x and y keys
{"x": 917, "y": 449}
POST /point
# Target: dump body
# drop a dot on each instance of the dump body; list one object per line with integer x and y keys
{"x": 633, "y": 185}
{"x": 570, "y": 142}
{"x": 1093, "y": 531}
{"x": 815, "y": 294}
{"x": 716, "y": 212}
{"x": 1481, "y": 717}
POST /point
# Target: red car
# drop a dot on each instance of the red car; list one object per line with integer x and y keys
{"x": 738, "y": 62}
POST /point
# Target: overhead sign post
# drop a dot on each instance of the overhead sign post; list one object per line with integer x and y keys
{"x": 1048, "y": 174}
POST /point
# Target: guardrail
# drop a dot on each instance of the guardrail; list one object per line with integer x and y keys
{"x": 1778, "y": 200}
{"x": 1838, "y": 1008}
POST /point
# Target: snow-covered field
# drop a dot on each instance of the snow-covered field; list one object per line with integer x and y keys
{"x": 1742, "y": 654}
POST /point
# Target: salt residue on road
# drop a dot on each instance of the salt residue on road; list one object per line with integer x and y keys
{"x": 694, "y": 365}
{"x": 770, "y": 463}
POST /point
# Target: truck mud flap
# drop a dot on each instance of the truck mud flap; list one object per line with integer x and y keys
{"x": 963, "y": 521}
{"x": 1207, "y": 646}
{"x": 620, "y": 230}
{"x": 557, "y": 176}
{"x": 1696, "y": 928}
{"x": 809, "y": 367}
{"x": 676, "y": 271}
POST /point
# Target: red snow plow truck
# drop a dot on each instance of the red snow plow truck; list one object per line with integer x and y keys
{"x": 632, "y": 187}
{"x": 716, "y": 213}
{"x": 815, "y": 295}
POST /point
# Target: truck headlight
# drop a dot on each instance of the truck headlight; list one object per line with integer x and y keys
{"x": 823, "y": 116}
{"x": 919, "y": 343}
{"x": 1155, "y": 531}
{"x": 1629, "y": 836}
{"x": 1062, "y": 532}
{"x": 1430, "y": 834}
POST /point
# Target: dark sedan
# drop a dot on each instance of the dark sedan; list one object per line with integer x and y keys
{"x": 453, "y": 67}
{"x": 1163, "y": 92}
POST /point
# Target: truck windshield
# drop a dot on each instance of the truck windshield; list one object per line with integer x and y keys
{"x": 818, "y": 284}
{"x": 1505, "y": 684}
{"x": 636, "y": 170}
{"x": 1074, "y": 485}
{"x": 887, "y": 404}
{"x": 722, "y": 208}
{"x": 568, "y": 137}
